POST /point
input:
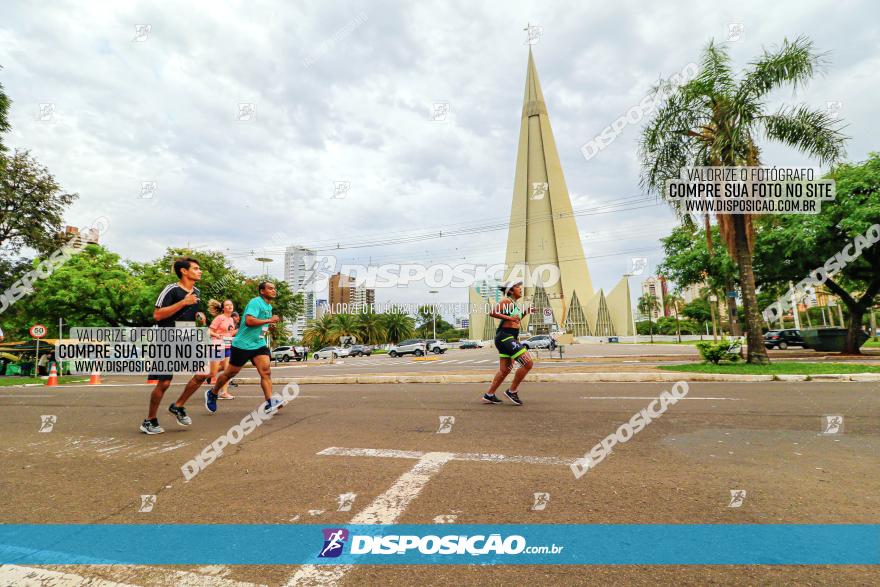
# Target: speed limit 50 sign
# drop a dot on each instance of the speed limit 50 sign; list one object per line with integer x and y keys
{"x": 38, "y": 331}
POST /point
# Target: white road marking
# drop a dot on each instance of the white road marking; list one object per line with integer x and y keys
{"x": 733, "y": 399}
{"x": 415, "y": 454}
{"x": 389, "y": 506}
{"x": 385, "y": 509}
{"x": 372, "y": 452}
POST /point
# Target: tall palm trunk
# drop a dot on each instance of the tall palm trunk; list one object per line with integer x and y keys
{"x": 757, "y": 352}
{"x": 732, "y": 322}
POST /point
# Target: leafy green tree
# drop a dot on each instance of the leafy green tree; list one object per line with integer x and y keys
{"x": 715, "y": 120}
{"x": 32, "y": 205}
{"x": 647, "y": 305}
{"x": 675, "y": 302}
{"x": 11, "y": 269}
{"x": 698, "y": 311}
{"x": 5, "y": 103}
{"x": 93, "y": 288}
{"x": 805, "y": 242}
{"x": 688, "y": 261}
{"x": 426, "y": 322}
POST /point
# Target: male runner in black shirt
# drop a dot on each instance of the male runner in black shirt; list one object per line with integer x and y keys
{"x": 178, "y": 302}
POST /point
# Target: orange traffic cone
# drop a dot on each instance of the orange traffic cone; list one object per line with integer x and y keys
{"x": 95, "y": 379}
{"x": 53, "y": 377}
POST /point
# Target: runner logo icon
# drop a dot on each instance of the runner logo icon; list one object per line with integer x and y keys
{"x": 334, "y": 540}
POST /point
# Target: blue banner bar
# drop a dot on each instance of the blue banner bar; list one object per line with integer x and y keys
{"x": 606, "y": 544}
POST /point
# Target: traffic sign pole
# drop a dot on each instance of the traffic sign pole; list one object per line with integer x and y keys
{"x": 37, "y": 331}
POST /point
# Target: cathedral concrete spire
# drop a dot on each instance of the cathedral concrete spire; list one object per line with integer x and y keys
{"x": 543, "y": 232}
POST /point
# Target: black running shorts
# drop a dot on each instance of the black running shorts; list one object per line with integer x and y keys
{"x": 240, "y": 357}
{"x": 508, "y": 346}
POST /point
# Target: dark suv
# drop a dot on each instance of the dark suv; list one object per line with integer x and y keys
{"x": 783, "y": 339}
{"x": 359, "y": 350}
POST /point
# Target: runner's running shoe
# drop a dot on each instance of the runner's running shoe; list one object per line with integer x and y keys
{"x": 512, "y": 396}
{"x": 211, "y": 400}
{"x": 149, "y": 428}
{"x": 273, "y": 405}
{"x": 180, "y": 414}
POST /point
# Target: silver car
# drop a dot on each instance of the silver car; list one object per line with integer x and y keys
{"x": 331, "y": 352}
{"x": 541, "y": 341}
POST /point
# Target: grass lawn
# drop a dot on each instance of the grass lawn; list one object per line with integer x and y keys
{"x": 775, "y": 368}
{"x": 871, "y": 345}
{"x": 16, "y": 380}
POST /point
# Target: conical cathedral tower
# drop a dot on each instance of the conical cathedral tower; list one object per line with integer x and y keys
{"x": 543, "y": 232}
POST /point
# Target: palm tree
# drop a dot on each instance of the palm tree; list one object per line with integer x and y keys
{"x": 343, "y": 325}
{"x": 675, "y": 302}
{"x": 318, "y": 333}
{"x": 647, "y": 305}
{"x": 398, "y": 326}
{"x": 369, "y": 328}
{"x": 715, "y": 120}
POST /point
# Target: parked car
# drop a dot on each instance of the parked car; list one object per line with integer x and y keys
{"x": 541, "y": 341}
{"x": 438, "y": 347}
{"x": 470, "y": 344}
{"x": 830, "y": 339}
{"x": 286, "y": 354}
{"x": 331, "y": 352}
{"x": 413, "y": 346}
{"x": 784, "y": 338}
{"x": 358, "y": 350}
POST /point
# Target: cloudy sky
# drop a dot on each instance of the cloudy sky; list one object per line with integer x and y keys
{"x": 344, "y": 91}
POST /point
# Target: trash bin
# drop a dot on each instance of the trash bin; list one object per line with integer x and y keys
{"x": 829, "y": 339}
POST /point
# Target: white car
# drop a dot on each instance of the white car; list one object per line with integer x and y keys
{"x": 331, "y": 352}
{"x": 438, "y": 347}
{"x": 286, "y": 354}
{"x": 413, "y": 346}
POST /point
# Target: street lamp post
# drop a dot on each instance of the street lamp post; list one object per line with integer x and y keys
{"x": 713, "y": 299}
{"x": 264, "y": 260}
{"x": 434, "y": 312}
{"x": 632, "y": 313}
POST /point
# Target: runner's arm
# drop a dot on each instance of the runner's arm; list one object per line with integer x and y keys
{"x": 160, "y": 314}
{"x": 497, "y": 311}
{"x": 254, "y": 321}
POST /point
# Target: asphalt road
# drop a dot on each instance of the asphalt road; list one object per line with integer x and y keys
{"x": 605, "y": 357}
{"x": 762, "y": 438}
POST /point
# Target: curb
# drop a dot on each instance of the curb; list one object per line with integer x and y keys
{"x": 547, "y": 378}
